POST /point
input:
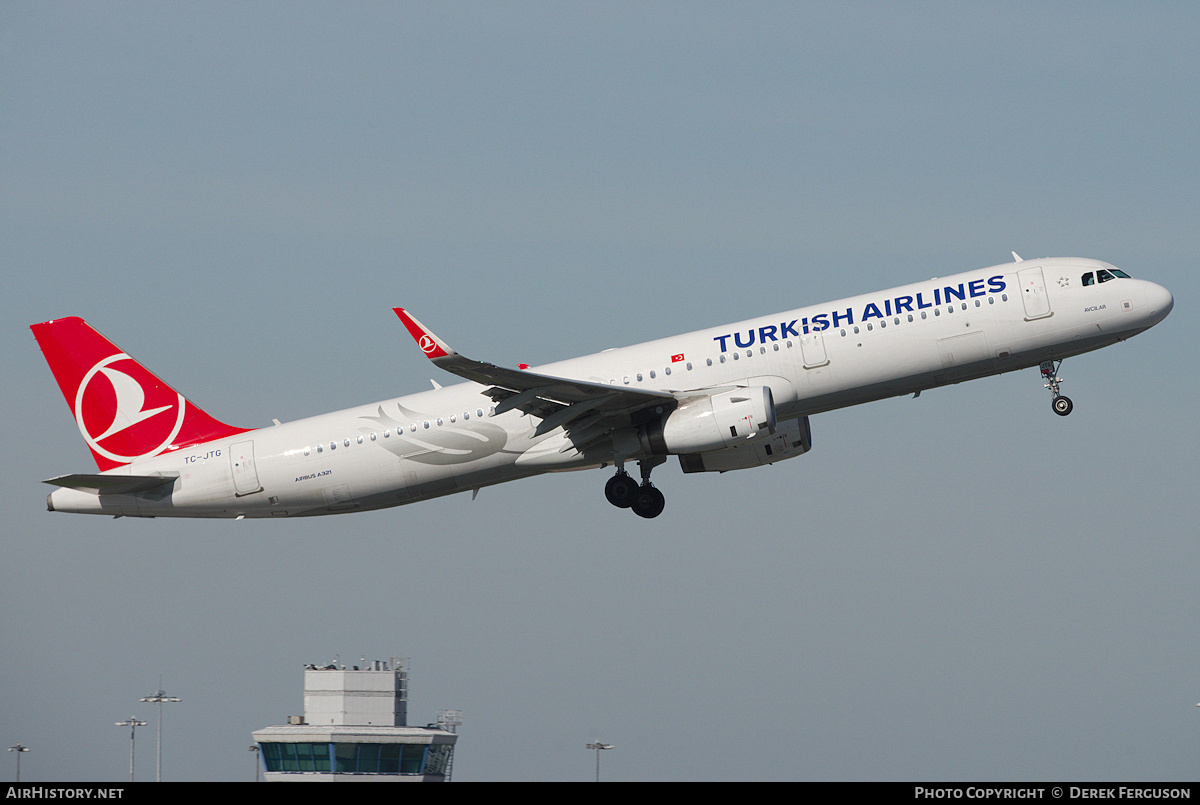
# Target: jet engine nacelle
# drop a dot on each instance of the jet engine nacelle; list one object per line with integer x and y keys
{"x": 715, "y": 422}
{"x": 792, "y": 438}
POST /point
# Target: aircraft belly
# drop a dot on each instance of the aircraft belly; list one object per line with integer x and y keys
{"x": 362, "y": 480}
{"x": 964, "y": 354}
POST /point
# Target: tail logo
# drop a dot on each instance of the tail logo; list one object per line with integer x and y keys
{"x": 123, "y": 408}
{"x": 427, "y": 344}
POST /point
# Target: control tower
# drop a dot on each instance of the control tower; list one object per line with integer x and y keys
{"x": 355, "y": 728}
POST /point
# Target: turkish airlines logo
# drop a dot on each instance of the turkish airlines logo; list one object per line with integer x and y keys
{"x": 123, "y": 411}
{"x": 427, "y": 344}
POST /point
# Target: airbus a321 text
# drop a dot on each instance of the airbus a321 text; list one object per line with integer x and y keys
{"x": 725, "y": 398}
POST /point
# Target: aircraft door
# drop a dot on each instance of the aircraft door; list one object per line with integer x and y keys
{"x": 241, "y": 461}
{"x": 1033, "y": 293}
{"x": 812, "y": 346}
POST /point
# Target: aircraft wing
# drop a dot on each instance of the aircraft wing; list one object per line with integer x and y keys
{"x": 558, "y": 401}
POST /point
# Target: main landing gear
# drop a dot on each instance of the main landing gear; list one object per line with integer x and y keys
{"x": 1062, "y": 405}
{"x": 624, "y": 493}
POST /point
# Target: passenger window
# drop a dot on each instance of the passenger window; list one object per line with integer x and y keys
{"x": 360, "y": 440}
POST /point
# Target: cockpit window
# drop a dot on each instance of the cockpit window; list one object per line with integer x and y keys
{"x": 1104, "y": 275}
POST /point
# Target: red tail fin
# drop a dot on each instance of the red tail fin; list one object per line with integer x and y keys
{"x": 123, "y": 411}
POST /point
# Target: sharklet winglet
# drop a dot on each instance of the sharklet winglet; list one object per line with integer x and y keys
{"x": 430, "y": 344}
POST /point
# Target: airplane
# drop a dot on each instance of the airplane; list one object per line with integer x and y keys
{"x": 719, "y": 399}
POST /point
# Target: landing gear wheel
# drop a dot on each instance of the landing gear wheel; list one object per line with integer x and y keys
{"x": 1062, "y": 405}
{"x": 648, "y": 502}
{"x": 621, "y": 490}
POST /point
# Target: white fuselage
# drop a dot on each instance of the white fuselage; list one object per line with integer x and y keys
{"x": 813, "y": 359}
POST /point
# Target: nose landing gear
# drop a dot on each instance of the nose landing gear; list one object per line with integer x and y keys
{"x": 1061, "y": 405}
{"x": 624, "y": 493}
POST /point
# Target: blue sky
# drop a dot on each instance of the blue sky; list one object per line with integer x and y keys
{"x": 962, "y": 586}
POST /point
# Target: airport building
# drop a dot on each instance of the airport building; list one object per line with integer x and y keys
{"x": 355, "y": 729}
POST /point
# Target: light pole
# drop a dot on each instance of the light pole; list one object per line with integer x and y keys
{"x": 254, "y": 754}
{"x": 18, "y": 749}
{"x": 133, "y": 724}
{"x": 159, "y": 698}
{"x": 598, "y": 746}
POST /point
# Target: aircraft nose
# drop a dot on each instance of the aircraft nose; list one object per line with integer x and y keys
{"x": 1159, "y": 301}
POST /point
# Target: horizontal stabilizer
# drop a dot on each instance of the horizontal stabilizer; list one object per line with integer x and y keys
{"x": 112, "y": 484}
